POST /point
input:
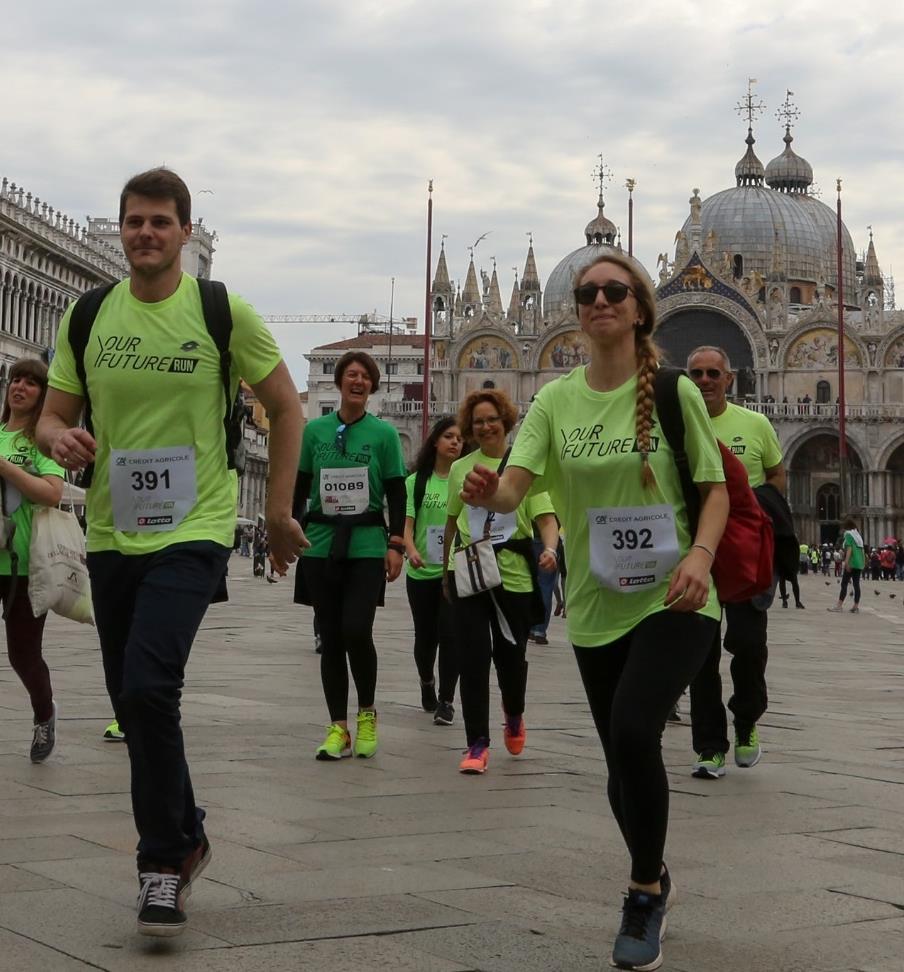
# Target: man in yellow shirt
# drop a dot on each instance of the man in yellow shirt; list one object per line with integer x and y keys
{"x": 161, "y": 505}
{"x": 751, "y": 437}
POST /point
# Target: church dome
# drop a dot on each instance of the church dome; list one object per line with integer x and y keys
{"x": 789, "y": 172}
{"x": 558, "y": 297}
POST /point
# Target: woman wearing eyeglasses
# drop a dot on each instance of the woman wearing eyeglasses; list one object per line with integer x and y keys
{"x": 495, "y": 624}
{"x": 642, "y": 610}
{"x": 350, "y": 463}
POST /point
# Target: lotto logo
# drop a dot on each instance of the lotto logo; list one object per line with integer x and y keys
{"x": 639, "y": 581}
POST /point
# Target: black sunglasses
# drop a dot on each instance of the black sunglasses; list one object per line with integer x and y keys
{"x": 615, "y": 292}
{"x": 340, "y": 438}
{"x": 713, "y": 373}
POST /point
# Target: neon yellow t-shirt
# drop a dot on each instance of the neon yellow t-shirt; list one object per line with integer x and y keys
{"x": 19, "y": 449}
{"x": 581, "y": 445}
{"x": 429, "y": 525}
{"x": 513, "y": 568}
{"x": 751, "y": 437}
{"x": 153, "y": 374}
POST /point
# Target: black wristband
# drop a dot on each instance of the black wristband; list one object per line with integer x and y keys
{"x": 399, "y": 548}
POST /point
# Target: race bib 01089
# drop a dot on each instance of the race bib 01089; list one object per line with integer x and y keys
{"x": 344, "y": 492}
{"x": 152, "y": 490}
{"x": 632, "y": 548}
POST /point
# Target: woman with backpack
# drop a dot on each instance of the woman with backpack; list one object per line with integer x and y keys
{"x": 642, "y": 608}
{"x": 428, "y": 493}
{"x": 27, "y": 479}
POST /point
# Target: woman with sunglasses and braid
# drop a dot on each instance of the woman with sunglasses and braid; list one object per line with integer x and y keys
{"x": 642, "y": 609}
{"x": 350, "y": 463}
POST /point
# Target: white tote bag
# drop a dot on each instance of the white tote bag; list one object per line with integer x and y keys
{"x": 58, "y": 572}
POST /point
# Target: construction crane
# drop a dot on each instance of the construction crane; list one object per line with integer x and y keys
{"x": 367, "y": 323}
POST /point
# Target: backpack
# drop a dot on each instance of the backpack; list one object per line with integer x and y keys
{"x": 217, "y": 320}
{"x": 743, "y": 564}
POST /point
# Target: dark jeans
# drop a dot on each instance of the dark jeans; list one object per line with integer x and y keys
{"x": 854, "y": 577}
{"x": 795, "y": 589}
{"x": 632, "y": 685}
{"x": 24, "y": 634}
{"x": 546, "y": 579}
{"x": 345, "y": 595}
{"x": 148, "y": 609}
{"x": 479, "y": 639}
{"x": 745, "y": 641}
{"x": 432, "y": 616}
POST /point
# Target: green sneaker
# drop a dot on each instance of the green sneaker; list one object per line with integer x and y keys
{"x": 710, "y": 765}
{"x": 366, "y": 736}
{"x": 747, "y": 750}
{"x": 113, "y": 733}
{"x": 337, "y": 744}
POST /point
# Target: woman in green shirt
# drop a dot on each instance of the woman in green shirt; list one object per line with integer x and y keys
{"x": 642, "y": 610}
{"x": 428, "y": 492}
{"x": 29, "y": 479}
{"x": 494, "y": 625}
{"x": 854, "y": 562}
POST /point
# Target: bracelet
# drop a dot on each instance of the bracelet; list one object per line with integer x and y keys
{"x": 701, "y": 547}
{"x": 397, "y": 547}
{"x": 550, "y": 550}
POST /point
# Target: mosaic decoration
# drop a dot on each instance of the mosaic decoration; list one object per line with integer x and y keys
{"x": 894, "y": 356}
{"x": 819, "y": 349}
{"x": 487, "y": 354}
{"x": 695, "y": 278}
{"x": 566, "y": 351}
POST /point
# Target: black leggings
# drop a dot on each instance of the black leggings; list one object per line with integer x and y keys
{"x": 854, "y": 577}
{"x": 795, "y": 589}
{"x": 24, "y": 634}
{"x": 632, "y": 685}
{"x": 479, "y": 638}
{"x": 345, "y": 595}
{"x": 432, "y": 618}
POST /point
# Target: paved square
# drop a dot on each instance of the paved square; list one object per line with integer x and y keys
{"x": 401, "y": 863}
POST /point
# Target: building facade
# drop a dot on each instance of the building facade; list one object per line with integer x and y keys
{"x": 755, "y": 271}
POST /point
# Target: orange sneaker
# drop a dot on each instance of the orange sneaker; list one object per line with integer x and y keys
{"x": 476, "y": 757}
{"x": 514, "y": 734}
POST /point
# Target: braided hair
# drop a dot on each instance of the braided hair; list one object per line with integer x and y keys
{"x": 646, "y": 352}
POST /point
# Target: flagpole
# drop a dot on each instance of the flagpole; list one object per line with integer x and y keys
{"x": 629, "y": 185}
{"x": 428, "y": 319}
{"x": 389, "y": 363}
{"x": 842, "y": 410}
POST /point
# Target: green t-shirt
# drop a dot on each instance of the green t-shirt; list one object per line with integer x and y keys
{"x": 19, "y": 449}
{"x": 858, "y": 557}
{"x": 751, "y": 437}
{"x": 349, "y": 482}
{"x": 581, "y": 444}
{"x": 153, "y": 374}
{"x": 513, "y": 568}
{"x": 429, "y": 525}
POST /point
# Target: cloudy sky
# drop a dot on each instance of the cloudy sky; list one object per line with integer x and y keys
{"x": 317, "y": 125}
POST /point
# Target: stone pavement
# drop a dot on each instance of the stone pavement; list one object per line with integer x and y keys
{"x": 401, "y": 863}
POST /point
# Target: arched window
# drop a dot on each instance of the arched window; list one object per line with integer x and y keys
{"x": 828, "y": 502}
{"x": 488, "y": 384}
{"x": 794, "y": 297}
{"x": 823, "y": 393}
{"x": 737, "y": 266}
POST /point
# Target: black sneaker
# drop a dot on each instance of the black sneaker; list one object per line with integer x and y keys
{"x": 637, "y": 945}
{"x": 159, "y": 913}
{"x": 669, "y": 892}
{"x": 428, "y": 695}
{"x": 44, "y": 738}
{"x": 444, "y": 714}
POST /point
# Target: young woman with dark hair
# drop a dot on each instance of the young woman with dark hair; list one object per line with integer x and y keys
{"x": 29, "y": 479}
{"x": 642, "y": 609}
{"x": 428, "y": 492}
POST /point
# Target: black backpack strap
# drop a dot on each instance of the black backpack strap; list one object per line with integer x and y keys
{"x": 81, "y": 320}
{"x": 671, "y": 424}
{"x": 218, "y": 320}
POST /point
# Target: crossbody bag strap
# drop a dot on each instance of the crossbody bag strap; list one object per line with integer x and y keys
{"x": 490, "y": 513}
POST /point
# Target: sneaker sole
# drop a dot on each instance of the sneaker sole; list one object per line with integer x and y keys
{"x": 366, "y": 755}
{"x": 119, "y": 739}
{"x": 326, "y": 757}
{"x": 707, "y": 774}
{"x": 161, "y": 931}
{"x": 650, "y": 966}
{"x": 442, "y": 722}
{"x": 749, "y": 765}
{"x": 468, "y": 771}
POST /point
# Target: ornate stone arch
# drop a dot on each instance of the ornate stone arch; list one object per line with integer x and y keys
{"x": 714, "y": 306}
{"x": 821, "y": 328}
{"x": 892, "y": 342}
{"x": 486, "y": 349}
{"x": 799, "y": 438}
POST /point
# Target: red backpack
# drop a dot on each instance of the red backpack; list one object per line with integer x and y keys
{"x": 743, "y": 566}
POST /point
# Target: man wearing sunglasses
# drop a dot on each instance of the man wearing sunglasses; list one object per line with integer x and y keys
{"x": 751, "y": 437}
